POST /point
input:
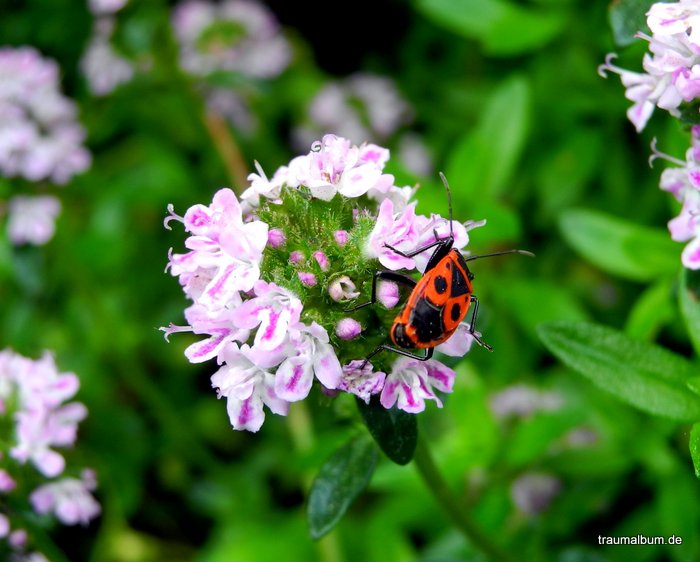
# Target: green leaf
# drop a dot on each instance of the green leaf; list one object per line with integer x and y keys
{"x": 689, "y": 296}
{"x": 395, "y": 431}
{"x": 620, "y": 247}
{"x": 693, "y": 383}
{"x": 339, "y": 481}
{"x": 628, "y": 17}
{"x": 484, "y": 159}
{"x": 641, "y": 374}
{"x": 654, "y": 308}
{"x": 503, "y": 28}
{"x": 694, "y": 446}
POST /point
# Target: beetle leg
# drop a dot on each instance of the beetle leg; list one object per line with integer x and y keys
{"x": 472, "y": 325}
{"x": 388, "y": 276}
{"x": 437, "y": 242}
{"x": 428, "y": 353}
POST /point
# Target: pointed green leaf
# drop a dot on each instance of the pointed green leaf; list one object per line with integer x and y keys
{"x": 339, "y": 481}
{"x": 619, "y": 247}
{"x": 654, "y": 308}
{"x": 695, "y": 447}
{"x": 395, "y": 431}
{"x": 689, "y": 296}
{"x": 503, "y": 28}
{"x": 484, "y": 159}
{"x": 641, "y": 374}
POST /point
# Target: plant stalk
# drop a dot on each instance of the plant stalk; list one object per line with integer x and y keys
{"x": 439, "y": 488}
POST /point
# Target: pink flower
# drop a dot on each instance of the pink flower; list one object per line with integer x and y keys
{"x": 272, "y": 311}
{"x": 40, "y": 138}
{"x": 218, "y": 325}
{"x": 411, "y": 383}
{"x": 398, "y": 231}
{"x": 69, "y": 499}
{"x": 246, "y": 386}
{"x": 339, "y": 167}
{"x": 314, "y": 357}
{"x": 225, "y": 252}
{"x": 32, "y": 220}
{"x": 104, "y": 69}
{"x": 43, "y": 421}
{"x": 258, "y": 49}
{"x": 668, "y": 19}
{"x": 459, "y": 343}
{"x": 684, "y": 183}
{"x": 359, "y": 379}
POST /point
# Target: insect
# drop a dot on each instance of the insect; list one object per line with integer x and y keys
{"x": 439, "y": 300}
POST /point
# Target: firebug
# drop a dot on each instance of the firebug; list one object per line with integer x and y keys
{"x": 438, "y": 301}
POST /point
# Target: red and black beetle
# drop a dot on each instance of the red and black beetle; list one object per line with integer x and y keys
{"x": 439, "y": 300}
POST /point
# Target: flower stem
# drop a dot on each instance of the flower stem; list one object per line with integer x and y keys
{"x": 227, "y": 148}
{"x": 437, "y": 485}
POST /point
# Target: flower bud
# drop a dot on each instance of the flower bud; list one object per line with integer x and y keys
{"x": 308, "y": 279}
{"x": 276, "y": 238}
{"x": 296, "y": 257}
{"x": 348, "y": 329}
{"x": 322, "y": 260}
{"x": 342, "y": 289}
{"x": 388, "y": 294}
{"x": 341, "y": 237}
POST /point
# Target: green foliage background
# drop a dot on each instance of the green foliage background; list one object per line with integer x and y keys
{"x": 507, "y": 98}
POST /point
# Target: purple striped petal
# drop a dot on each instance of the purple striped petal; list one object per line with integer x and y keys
{"x": 294, "y": 378}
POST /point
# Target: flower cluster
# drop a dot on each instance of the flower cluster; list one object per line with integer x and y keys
{"x": 683, "y": 182}
{"x": 103, "y": 67}
{"x": 671, "y": 72}
{"x": 364, "y": 106}
{"x": 231, "y": 37}
{"x": 40, "y": 138}
{"x": 270, "y": 276}
{"x": 38, "y": 419}
{"x": 672, "y": 78}
{"x": 234, "y": 35}
{"x": 32, "y": 219}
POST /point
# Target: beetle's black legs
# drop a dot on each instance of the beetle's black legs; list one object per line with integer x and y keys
{"x": 387, "y": 276}
{"x": 472, "y": 325}
{"x": 428, "y": 353}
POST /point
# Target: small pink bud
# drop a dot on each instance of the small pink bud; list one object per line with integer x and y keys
{"x": 308, "y": 279}
{"x": 276, "y": 238}
{"x": 296, "y": 257}
{"x": 322, "y": 260}
{"x": 388, "y": 294}
{"x": 7, "y": 484}
{"x": 4, "y": 526}
{"x": 342, "y": 289}
{"x": 348, "y": 328}
{"x": 341, "y": 237}
{"x": 18, "y": 539}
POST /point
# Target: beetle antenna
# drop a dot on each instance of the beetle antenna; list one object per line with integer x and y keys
{"x": 449, "y": 200}
{"x": 522, "y": 252}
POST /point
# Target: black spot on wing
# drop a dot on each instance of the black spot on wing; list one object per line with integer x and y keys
{"x": 456, "y": 312}
{"x": 440, "y": 284}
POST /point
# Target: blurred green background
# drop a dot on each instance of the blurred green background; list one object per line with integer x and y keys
{"x": 506, "y": 101}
